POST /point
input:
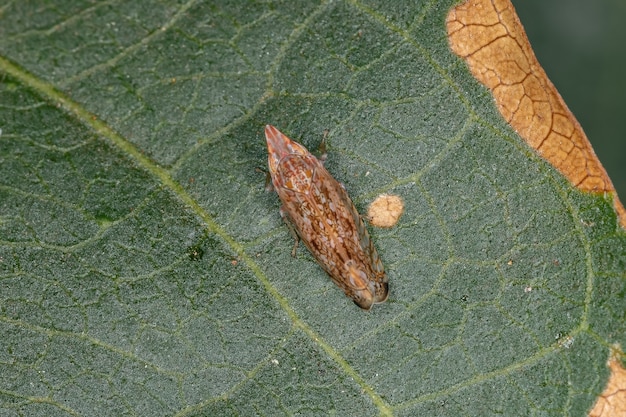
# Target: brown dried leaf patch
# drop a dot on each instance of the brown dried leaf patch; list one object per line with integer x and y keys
{"x": 489, "y": 36}
{"x": 612, "y": 401}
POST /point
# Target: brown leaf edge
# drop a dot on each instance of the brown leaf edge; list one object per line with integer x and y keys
{"x": 489, "y": 36}
{"x": 612, "y": 401}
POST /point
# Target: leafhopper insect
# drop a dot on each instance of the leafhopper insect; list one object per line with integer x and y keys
{"x": 325, "y": 219}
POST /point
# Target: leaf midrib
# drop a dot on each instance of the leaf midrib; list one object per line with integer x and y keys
{"x": 103, "y": 130}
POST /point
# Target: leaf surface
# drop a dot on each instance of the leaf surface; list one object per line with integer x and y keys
{"x": 144, "y": 270}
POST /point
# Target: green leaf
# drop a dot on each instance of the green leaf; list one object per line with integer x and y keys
{"x": 144, "y": 270}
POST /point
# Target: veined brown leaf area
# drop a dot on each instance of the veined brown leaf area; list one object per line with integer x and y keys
{"x": 489, "y": 36}
{"x": 612, "y": 401}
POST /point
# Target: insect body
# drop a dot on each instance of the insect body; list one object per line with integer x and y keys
{"x": 323, "y": 216}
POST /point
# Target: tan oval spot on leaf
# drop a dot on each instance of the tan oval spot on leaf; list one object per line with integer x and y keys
{"x": 385, "y": 211}
{"x": 489, "y": 36}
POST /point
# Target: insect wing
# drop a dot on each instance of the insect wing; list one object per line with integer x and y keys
{"x": 326, "y": 220}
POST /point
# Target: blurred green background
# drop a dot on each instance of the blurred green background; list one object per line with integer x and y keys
{"x": 581, "y": 44}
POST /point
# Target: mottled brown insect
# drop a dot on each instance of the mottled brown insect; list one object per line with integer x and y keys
{"x": 323, "y": 216}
